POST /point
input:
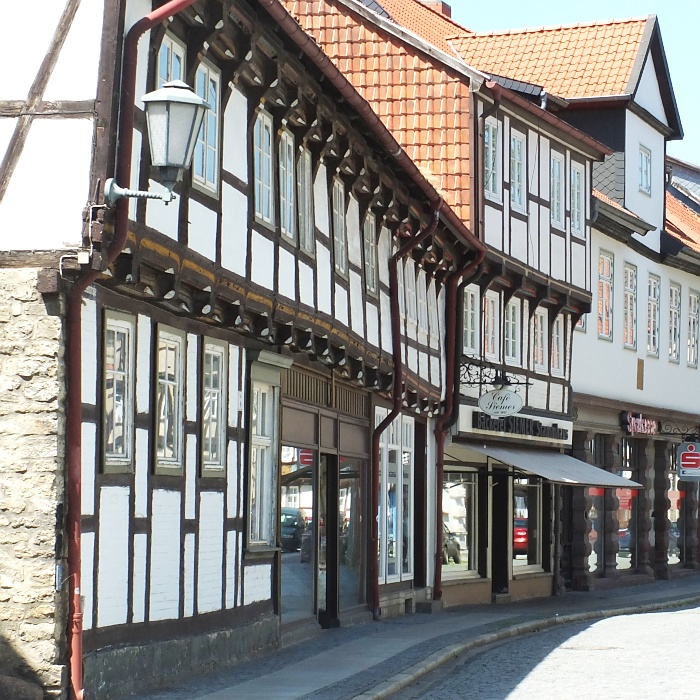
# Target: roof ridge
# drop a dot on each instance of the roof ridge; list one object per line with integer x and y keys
{"x": 450, "y": 20}
{"x": 553, "y": 28}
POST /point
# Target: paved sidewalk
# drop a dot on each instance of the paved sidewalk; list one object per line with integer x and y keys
{"x": 373, "y": 660}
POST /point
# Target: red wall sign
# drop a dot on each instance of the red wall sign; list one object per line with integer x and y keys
{"x": 638, "y": 424}
{"x": 689, "y": 461}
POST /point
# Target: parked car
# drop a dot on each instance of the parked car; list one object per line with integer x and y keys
{"x": 293, "y": 526}
{"x": 674, "y": 537}
{"x": 450, "y": 547}
{"x": 519, "y": 536}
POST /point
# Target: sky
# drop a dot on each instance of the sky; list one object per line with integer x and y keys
{"x": 679, "y": 22}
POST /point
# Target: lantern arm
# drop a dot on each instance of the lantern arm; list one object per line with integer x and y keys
{"x": 113, "y": 193}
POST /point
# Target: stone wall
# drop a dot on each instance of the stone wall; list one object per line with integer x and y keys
{"x": 32, "y": 436}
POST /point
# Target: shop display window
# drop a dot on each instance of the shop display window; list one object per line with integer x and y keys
{"x": 459, "y": 521}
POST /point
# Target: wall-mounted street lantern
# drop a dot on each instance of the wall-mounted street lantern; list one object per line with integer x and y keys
{"x": 173, "y": 116}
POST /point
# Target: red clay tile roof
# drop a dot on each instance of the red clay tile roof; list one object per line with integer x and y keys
{"x": 582, "y": 60}
{"x": 426, "y": 22}
{"x": 424, "y": 107}
{"x": 682, "y": 223}
{"x": 611, "y": 202}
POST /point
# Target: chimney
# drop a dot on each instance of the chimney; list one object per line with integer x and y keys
{"x": 439, "y": 6}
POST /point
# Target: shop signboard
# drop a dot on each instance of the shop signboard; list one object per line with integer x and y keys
{"x": 500, "y": 403}
{"x": 689, "y": 461}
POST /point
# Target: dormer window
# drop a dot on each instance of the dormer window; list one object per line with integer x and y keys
{"x": 644, "y": 170}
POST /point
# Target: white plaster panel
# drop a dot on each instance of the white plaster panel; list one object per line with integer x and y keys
{"x": 235, "y": 139}
{"x": 558, "y": 262}
{"x": 231, "y": 550}
{"x": 242, "y": 405}
{"x": 162, "y": 217}
{"x": 89, "y": 466}
{"x": 372, "y": 315}
{"x": 89, "y": 344}
{"x": 139, "y": 578}
{"x": 648, "y": 95}
{"x": 113, "y": 567}
{"x": 202, "y": 229}
{"x": 578, "y": 266}
{"x": 533, "y": 161}
{"x": 537, "y": 394}
{"x": 323, "y": 280}
{"x": 556, "y": 396}
{"x": 191, "y": 386}
{"x": 341, "y": 305}
{"x": 544, "y": 251}
{"x": 306, "y": 284}
{"x": 232, "y": 495}
{"x": 233, "y": 368}
{"x": 143, "y": 364}
{"x": 412, "y": 359}
{"x": 356, "y": 304}
{"x": 385, "y": 319}
{"x": 188, "y": 564}
{"x": 190, "y": 475}
{"x": 321, "y": 201}
{"x": 234, "y": 230}
{"x": 141, "y": 473}
{"x": 435, "y": 374}
{"x": 518, "y": 239}
{"x": 165, "y": 556}
{"x": 354, "y": 235}
{"x": 263, "y": 261}
{"x": 239, "y": 549}
{"x": 493, "y": 227}
{"x": 210, "y": 552}
{"x": 7, "y": 124}
{"x": 135, "y": 10}
{"x": 257, "y": 583}
{"x": 423, "y": 366}
{"x": 286, "y": 274}
{"x": 544, "y": 166}
{"x": 87, "y": 568}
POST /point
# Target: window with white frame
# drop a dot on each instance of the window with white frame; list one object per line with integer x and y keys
{"x": 581, "y": 323}
{"x": 629, "y": 331}
{"x": 339, "y": 235}
{"x": 422, "y": 299}
{"x": 287, "y": 186}
{"x": 369, "y": 237}
{"x": 169, "y": 414}
{"x": 262, "y": 166}
{"x": 214, "y": 399}
{"x": 470, "y": 327}
{"x": 556, "y": 189}
{"x": 511, "y": 331}
{"x": 171, "y": 61}
{"x": 491, "y": 325}
{"x": 492, "y": 174}
{"x": 396, "y": 504}
{"x": 518, "y": 173}
{"x": 401, "y": 289}
{"x": 577, "y": 201}
{"x": 693, "y": 318}
{"x": 644, "y": 170}
{"x": 605, "y": 298}
{"x": 263, "y": 401}
{"x": 410, "y": 283}
{"x": 206, "y": 150}
{"x": 433, "y": 310}
{"x": 557, "y": 357}
{"x": 118, "y": 397}
{"x": 674, "y": 323}
{"x": 539, "y": 339}
{"x": 653, "y": 313}
{"x": 306, "y": 201}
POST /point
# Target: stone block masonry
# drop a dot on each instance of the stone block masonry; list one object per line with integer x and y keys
{"x": 32, "y": 442}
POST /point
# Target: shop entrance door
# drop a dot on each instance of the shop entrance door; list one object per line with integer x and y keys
{"x": 327, "y": 543}
{"x": 500, "y": 531}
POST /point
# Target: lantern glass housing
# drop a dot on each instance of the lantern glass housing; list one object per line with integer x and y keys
{"x": 174, "y": 116}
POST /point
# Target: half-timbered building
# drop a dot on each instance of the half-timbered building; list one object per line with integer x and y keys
{"x": 254, "y": 370}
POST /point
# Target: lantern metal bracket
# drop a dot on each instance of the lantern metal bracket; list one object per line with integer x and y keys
{"x": 113, "y": 193}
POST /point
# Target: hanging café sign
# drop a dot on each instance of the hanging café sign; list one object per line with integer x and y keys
{"x": 500, "y": 403}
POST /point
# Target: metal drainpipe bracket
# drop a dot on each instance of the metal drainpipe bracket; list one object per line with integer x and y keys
{"x": 113, "y": 193}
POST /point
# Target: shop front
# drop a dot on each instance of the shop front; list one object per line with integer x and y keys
{"x": 650, "y": 531}
{"x": 505, "y": 484}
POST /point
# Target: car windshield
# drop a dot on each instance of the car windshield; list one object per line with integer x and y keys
{"x": 520, "y": 522}
{"x": 289, "y": 519}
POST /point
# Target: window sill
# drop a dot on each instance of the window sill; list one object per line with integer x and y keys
{"x": 460, "y": 576}
{"x": 530, "y": 571}
{"x": 260, "y": 551}
{"x": 494, "y": 198}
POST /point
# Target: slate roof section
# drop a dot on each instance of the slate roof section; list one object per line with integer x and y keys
{"x": 425, "y": 106}
{"x": 573, "y": 62}
{"x": 375, "y": 7}
{"x": 682, "y": 223}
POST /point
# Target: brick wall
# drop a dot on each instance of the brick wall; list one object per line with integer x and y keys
{"x": 32, "y": 430}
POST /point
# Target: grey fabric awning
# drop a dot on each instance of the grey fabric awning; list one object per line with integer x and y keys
{"x": 553, "y": 466}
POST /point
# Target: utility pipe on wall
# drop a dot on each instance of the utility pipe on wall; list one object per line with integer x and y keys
{"x": 74, "y": 331}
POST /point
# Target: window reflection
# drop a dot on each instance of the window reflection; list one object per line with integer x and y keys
{"x": 459, "y": 521}
{"x": 527, "y": 519}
